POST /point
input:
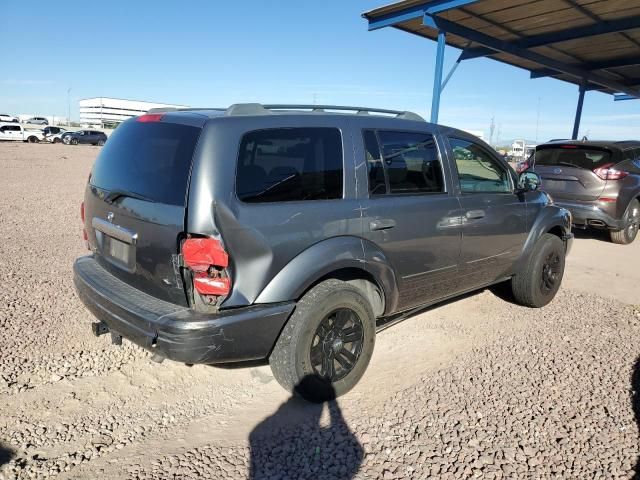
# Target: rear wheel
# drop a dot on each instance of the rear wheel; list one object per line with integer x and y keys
{"x": 538, "y": 282}
{"x": 100, "y": 143}
{"x": 631, "y": 225}
{"x": 32, "y": 139}
{"x": 326, "y": 345}
{"x": 56, "y": 140}
{"x": 74, "y": 141}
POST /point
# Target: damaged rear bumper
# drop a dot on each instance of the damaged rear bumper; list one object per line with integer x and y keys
{"x": 176, "y": 332}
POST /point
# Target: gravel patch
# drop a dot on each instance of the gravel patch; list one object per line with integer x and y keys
{"x": 546, "y": 393}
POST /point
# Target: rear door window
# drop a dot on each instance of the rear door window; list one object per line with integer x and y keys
{"x": 572, "y": 156}
{"x": 290, "y": 164}
{"x": 402, "y": 163}
{"x": 151, "y": 159}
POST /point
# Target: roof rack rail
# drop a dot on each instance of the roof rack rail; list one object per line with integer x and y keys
{"x": 186, "y": 109}
{"x": 260, "y": 109}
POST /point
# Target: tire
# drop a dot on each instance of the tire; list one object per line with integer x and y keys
{"x": 100, "y": 143}
{"x": 56, "y": 140}
{"x": 334, "y": 311}
{"x": 32, "y": 139}
{"x": 632, "y": 222}
{"x": 540, "y": 278}
{"x": 74, "y": 141}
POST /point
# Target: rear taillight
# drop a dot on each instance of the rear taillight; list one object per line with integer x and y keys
{"x": 605, "y": 172}
{"x": 522, "y": 166}
{"x": 208, "y": 261}
{"x": 85, "y": 237}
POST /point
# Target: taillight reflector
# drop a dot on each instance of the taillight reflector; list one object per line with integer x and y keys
{"x": 82, "y": 212}
{"x": 207, "y": 285}
{"x": 605, "y": 172}
{"x": 150, "y": 117}
{"x": 201, "y": 253}
{"x": 608, "y": 199}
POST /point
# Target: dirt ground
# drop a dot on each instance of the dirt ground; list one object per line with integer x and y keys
{"x": 477, "y": 387}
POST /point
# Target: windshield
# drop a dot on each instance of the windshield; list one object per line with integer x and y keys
{"x": 150, "y": 160}
{"x": 572, "y": 156}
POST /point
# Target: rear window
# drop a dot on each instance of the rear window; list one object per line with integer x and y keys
{"x": 572, "y": 157}
{"x": 290, "y": 164}
{"x": 151, "y": 159}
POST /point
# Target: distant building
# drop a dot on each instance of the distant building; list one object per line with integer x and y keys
{"x": 103, "y": 110}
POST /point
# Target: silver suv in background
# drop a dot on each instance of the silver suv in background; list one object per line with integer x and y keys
{"x": 289, "y": 234}
{"x": 598, "y": 181}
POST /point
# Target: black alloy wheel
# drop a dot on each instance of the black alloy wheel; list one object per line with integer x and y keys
{"x": 337, "y": 344}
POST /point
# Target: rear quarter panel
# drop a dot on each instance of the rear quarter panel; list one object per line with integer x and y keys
{"x": 262, "y": 238}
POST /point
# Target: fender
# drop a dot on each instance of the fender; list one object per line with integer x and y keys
{"x": 325, "y": 257}
{"x": 548, "y": 217}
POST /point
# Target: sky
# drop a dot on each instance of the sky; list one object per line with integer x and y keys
{"x": 215, "y": 53}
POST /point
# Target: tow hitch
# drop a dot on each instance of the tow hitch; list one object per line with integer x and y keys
{"x": 101, "y": 328}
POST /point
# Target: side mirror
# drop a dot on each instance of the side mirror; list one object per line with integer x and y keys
{"x": 529, "y": 181}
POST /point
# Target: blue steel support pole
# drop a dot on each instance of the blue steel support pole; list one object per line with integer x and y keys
{"x": 437, "y": 78}
{"x": 576, "y": 122}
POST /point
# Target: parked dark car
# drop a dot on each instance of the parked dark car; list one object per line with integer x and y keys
{"x": 287, "y": 234}
{"x": 599, "y": 182}
{"x": 92, "y": 137}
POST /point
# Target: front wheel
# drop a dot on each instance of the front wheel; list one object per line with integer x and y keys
{"x": 325, "y": 347}
{"x": 631, "y": 225}
{"x": 74, "y": 141}
{"x": 540, "y": 278}
{"x": 32, "y": 139}
{"x": 100, "y": 143}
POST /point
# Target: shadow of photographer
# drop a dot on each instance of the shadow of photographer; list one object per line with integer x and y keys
{"x": 300, "y": 440}
{"x": 635, "y": 403}
{"x": 6, "y": 454}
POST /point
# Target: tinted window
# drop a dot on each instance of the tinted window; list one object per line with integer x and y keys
{"x": 150, "y": 159}
{"x": 290, "y": 164}
{"x": 570, "y": 156}
{"x": 478, "y": 170}
{"x": 411, "y": 162}
{"x": 377, "y": 184}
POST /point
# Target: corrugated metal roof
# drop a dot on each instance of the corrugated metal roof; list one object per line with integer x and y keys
{"x": 592, "y": 41}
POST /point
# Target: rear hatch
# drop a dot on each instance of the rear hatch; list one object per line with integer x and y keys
{"x": 570, "y": 171}
{"x": 135, "y": 203}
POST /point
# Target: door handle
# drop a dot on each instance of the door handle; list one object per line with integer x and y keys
{"x": 475, "y": 214}
{"x": 382, "y": 224}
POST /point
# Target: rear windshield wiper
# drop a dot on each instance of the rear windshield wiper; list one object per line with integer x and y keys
{"x": 567, "y": 164}
{"x": 113, "y": 195}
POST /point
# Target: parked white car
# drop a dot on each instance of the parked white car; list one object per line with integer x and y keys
{"x": 53, "y": 134}
{"x": 15, "y": 132}
{"x": 4, "y": 117}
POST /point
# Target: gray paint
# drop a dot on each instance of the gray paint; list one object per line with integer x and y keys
{"x": 278, "y": 250}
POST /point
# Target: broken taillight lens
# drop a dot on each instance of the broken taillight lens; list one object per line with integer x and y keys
{"x": 208, "y": 260}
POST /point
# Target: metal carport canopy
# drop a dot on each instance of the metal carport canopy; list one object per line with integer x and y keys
{"x": 594, "y": 44}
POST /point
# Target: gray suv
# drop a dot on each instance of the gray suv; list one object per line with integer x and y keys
{"x": 289, "y": 234}
{"x": 599, "y": 182}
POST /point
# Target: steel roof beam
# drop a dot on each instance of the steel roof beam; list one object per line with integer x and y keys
{"x": 513, "y": 48}
{"x": 591, "y": 66}
{"x": 601, "y": 28}
{"x": 417, "y": 11}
